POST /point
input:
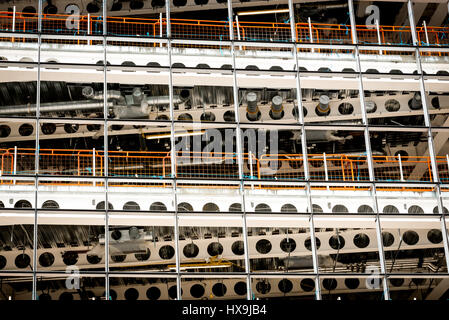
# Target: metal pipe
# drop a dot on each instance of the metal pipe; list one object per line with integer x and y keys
{"x": 90, "y": 93}
{"x": 310, "y": 32}
{"x": 276, "y": 111}
{"x": 252, "y": 109}
{"x": 53, "y": 107}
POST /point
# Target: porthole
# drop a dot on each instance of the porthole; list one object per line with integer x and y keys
{"x": 118, "y": 258}
{"x": 71, "y": 128}
{"x": 418, "y": 281}
{"x": 117, "y": 127}
{"x": 172, "y": 292}
{"x": 263, "y": 287}
{"x": 116, "y": 6}
{"x": 131, "y": 294}
{"x": 2, "y": 204}
{"x": 50, "y": 204}
{"x": 392, "y": 105}
{"x": 197, "y": 291}
{"x": 185, "y": 117}
{"x": 215, "y": 249}
{"x": 435, "y": 102}
{"x": 365, "y": 209}
{"x": 92, "y": 7}
{"x": 308, "y": 243}
{"x": 263, "y": 246}
{"x": 153, "y": 293}
{"x": 345, "y": 108}
{"x": 116, "y": 234}
{"x": 191, "y": 250}
{"x": 238, "y": 248}
{"x": 435, "y": 236}
{"x": 44, "y": 297}
{"x": 285, "y": 286}
{"x": 143, "y": 256}
{"x": 93, "y": 259}
{"x": 288, "y": 208}
{"x": 22, "y": 261}
{"x": 185, "y": 207}
{"x": 162, "y": 117}
{"x": 2, "y": 262}
{"x": 112, "y": 294}
{"x": 235, "y": 207}
{"x": 219, "y": 289}
{"x": 158, "y": 206}
{"x": 390, "y": 209}
{"x": 5, "y": 131}
{"x": 23, "y": 204}
{"x": 101, "y": 206}
{"x": 330, "y": 284}
{"x": 207, "y": 117}
{"x": 396, "y": 282}
{"x": 288, "y": 245}
{"x": 128, "y": 64}
{"x": 436, "y": 210}
{"x": 179, "y": 3}
{"x": 136, "y": 4}
{"x": 93, "y": 127}
{"x": 29, "y": 11}
{"x": 410, "y": 237}
{"x": 26, "y": 130}
{"x": 229, "y": 116}
{"x": 307, "y": 285}
{"x": 262, "y": 207}
{"x": 352, "y": 283}
{"x": 361, "y": 240}
{"x": 336, "y": 242}
{"x": 210, "y": 207}
{"x": 387, "y": 239}
{"x": 295, "y": 112}
{"x": 166, "y": 252}
{"x": 415, "y": 210}
{"x": 131, "y": 206}
{"x": 157, "y": 3}
{"x": 70, "y": 258}
{"x": 316, "y": 208}
{"x": 240, "y": 288}
{"x": 339, "y": 208}
{"x": 46, "y": 259}
{"x": 66, "y": 296}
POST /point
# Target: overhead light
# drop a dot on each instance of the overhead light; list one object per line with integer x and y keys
{"x": 177, "y": 134}
{"x": 250, "y": 13}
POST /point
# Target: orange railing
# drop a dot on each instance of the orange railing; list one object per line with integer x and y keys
{"x": 216, "y": 30}
{"x": 217, "y": 166}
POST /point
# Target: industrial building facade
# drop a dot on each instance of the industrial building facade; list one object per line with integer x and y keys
{"x": 219, "y": 150}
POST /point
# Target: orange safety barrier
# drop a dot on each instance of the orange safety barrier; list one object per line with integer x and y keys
{"x": 217, "y": 166}
{"x": 219, "y": 31}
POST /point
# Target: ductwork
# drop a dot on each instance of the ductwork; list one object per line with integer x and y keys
{"x": 53, "y": 107}
{"x": 90, "y": 93}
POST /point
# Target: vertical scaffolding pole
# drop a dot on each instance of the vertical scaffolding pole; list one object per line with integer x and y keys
{"x": 106, "y": 149}
{"x": 429, "y": 132}
{"x": 368, "y": 151}
{"x": 304, "y": 152}
{"x": 310, "y": 32}
{"x": 379, "y": 40}
{"x": 173, "y": 153}
{"x": 239, "y": 152}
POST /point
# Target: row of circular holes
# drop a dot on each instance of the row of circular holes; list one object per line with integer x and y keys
{"x": 92, "y": 7}
{"x": 235, "y": 207}
{"x": 263, "y": 246}
{"x": 229, "y": 67}
{"x": 220, "y": 289}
